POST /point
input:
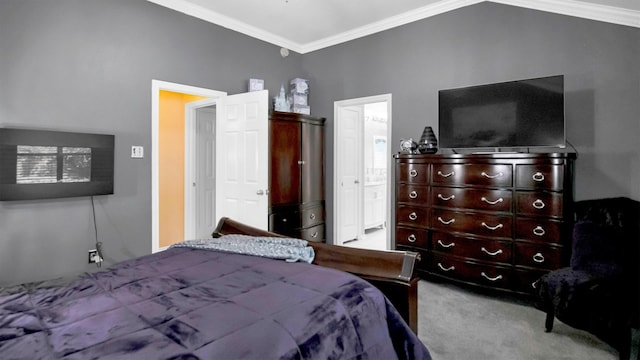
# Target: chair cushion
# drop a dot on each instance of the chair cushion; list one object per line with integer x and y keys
{"x": 597, "y": 249}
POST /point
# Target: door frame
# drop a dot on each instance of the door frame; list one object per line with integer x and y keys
{"x": 156, "y": 87}
{"x": 337, "y": 105}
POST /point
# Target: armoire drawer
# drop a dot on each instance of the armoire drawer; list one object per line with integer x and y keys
{"x": 315, "y": 233}
{"x": 413, "y": 173}
{"x": 413, "y": 194}
{"x": 494, "y": 276}
{"x": 411, "y": 237}
{"x": 538, "y": 256}
{"x": 496, "y": 175}
{"x": 477, "y": 199}
{"x": 312, "y": 216}
{"x": 479, "y": 249}
{"x": 493, "y": 225}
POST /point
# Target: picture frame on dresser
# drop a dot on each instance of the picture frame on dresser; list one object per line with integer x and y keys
{"x": 493, "y": 220}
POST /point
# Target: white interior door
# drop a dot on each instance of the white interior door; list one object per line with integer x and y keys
{"x": 242, "y": 166}
{"x": 349, "y": 166}
{"x": 205, "y": 184}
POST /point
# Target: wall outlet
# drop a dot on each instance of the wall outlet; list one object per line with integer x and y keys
{"x": 94, "y": 257}
{"x": 137, "y": 152}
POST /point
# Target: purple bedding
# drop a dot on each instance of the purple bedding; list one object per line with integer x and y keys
{"x": 186, "y": 303}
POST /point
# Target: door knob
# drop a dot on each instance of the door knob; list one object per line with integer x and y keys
{"x": 259, "y": 192}
{"x": 356, "y": 181}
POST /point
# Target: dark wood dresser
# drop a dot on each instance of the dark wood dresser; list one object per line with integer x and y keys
{"x": 296, "y": 188}
{"x": 494, "y": 220}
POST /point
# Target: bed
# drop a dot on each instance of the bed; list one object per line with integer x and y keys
{"x": 192, "y": 303}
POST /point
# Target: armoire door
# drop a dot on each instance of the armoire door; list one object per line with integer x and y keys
{"x": 312, "y": 166}
{"x": 285, "y": 158}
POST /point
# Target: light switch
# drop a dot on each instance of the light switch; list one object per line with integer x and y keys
{"x": 137, "y": 152}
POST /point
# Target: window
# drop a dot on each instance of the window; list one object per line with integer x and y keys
{"x": 52, "y": 164}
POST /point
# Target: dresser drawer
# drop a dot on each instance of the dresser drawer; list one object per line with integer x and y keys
{"x": 411, "y": 237}
{"x": 414, "y": 194}
{"x": 413, "y": 173}
{"x": 496, "y": 175}
{"x": 494, "y": 276}
{"x": 479, "y": 199}
{"x": 539, "y": 230}
{"x": 412, "y": 216}
{"x": 549, "y": 177}
{"x": 538, "y": 256}
{"x": 539, "y": 204}
{"x": 480, "y": 249}
{"x": 479, "y": 224}
{"x": 524, "y": 279}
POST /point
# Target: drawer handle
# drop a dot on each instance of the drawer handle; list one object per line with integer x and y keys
{"x": 446, "y": 198}
{"x": 413, "y": 194}
{"x": 539, "y": 231}
{"x": 492, "y": 176}
{"x": 446, "y": 245}
{"x": 499, "y": 200}
{"x": 447, "y": 174}
{"x": 284, "y": 220}
{"x": 497, "y": 252}
{"x": 538, "y": 176}
{"x": 312, "y": 216}
{"x": 450, "y": 268}
{"x": 539, "y": 258}
{"x": 314, "y": 235}
{"x": 538, "y": 204}
{"x": 499, "y": 226}
{"x": 411, "y": 238}
{"x": 446, "y": 222}
{"x": 413, "y": 216}
{"x": 413, "y": 173}
{"x": 499, "y": 277}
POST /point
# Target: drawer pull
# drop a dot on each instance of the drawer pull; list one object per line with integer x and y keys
{"x": 492, "y": 176}
{"x": 284, "y": 220}
{"x": 539, "y": 258}
{"x": 411, "y": 238}
{"x": 312, "y": 216}
{"x": 447, "y": 174}
{"x": 538, "y": 204}
{"x": 497, "y": 252}
{"x": 499, "y": 226}
{"x": 413, "y": 194}
{"x": 446, "y": 245}
{"x": 413, "y": 173}
{"x": 446, "y": 198}
{"x": 450, "y": 268}
{"x": 499, "y": 200}
{"x": 446, "y": 222}
{"x": 538, "y": 177}
{"x": 413, "y": 216}
{"x": 539, "y": 231}
{"x": 499, "y": 277}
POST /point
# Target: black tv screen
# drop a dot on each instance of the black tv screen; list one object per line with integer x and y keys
{"x": 515, "y": 114}
{"x": 43, "y": 164}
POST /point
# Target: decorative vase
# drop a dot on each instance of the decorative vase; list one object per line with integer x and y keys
{"x": 428, "y": 143}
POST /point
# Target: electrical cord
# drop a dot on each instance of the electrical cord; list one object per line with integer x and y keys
{"x": 95, "y": 229}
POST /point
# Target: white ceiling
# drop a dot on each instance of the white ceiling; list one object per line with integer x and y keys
{"x": 308, "y": 25}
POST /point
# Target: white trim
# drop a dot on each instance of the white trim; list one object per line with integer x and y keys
{"x": 581, "y": 9}
{"x": 156, "y": 87}
{"x": 355, "y": 102}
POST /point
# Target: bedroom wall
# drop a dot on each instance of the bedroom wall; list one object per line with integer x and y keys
{"x": 487, "y": 43}
{"x": 87, "y": 65}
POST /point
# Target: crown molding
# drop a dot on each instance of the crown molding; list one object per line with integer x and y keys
{"x": 581, "y": 9}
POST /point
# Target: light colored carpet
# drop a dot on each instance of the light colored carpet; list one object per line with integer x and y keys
{"x": 458, "y": 324}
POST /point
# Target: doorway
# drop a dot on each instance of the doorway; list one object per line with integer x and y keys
{"x": 362, "y": 163}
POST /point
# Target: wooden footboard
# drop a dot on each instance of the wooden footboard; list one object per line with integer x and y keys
{"x": 390, "y": 271}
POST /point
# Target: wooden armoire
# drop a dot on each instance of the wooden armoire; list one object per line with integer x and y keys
{"x": 296, "y": 179}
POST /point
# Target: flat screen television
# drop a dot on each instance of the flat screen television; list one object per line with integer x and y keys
{"x": 515, "y": 114}
{"x": 43, "y": 164}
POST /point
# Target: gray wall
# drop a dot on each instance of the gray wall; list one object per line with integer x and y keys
{"x": 87, "y": 65}
{"x": 487, "y": 43}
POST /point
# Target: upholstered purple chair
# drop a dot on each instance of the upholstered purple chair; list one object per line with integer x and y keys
{"x": 598, "y": 292}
